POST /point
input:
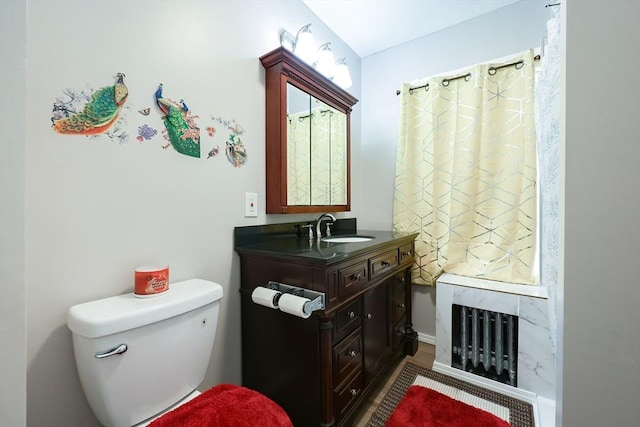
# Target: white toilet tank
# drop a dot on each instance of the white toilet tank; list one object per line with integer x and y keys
{"x": 161, "y": 345}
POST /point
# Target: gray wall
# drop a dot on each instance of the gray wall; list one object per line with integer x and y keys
{"x": 13, "y": 349}
{"x": 503, "y": 32}
{"x": 79, "y": 214}
{"x": 599, "y": 343}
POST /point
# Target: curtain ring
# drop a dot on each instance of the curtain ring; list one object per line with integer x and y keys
{"x": 445, "y": 82}
{"x": 492, "y": 71}
{"x": 519, "y": 64}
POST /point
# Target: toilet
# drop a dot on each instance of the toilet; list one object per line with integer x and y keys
{"x": 140, "y": 358}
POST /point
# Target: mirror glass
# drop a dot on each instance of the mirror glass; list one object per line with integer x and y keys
{"x": 307, "y": 139}
{"x": 316, "y": 151}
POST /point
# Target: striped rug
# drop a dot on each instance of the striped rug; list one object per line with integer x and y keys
{"x": 519, "y": 413}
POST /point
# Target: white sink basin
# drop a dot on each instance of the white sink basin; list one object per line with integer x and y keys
{"x": 346, "y": 239}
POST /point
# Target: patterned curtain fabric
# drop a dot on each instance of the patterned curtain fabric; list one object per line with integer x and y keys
{"x": 466, "y": 173}
{"x": 547, "y": 107}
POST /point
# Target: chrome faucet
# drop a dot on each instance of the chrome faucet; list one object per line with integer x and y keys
{"x": 319, "y": 222}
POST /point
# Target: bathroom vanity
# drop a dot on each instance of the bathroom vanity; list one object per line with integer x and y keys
{"x": 321, "y": 369}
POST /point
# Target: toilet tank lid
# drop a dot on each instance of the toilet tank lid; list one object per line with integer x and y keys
{"x": 123, "y": 312}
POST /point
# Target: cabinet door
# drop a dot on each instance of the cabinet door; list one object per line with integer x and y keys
{"x": 376, "y": 329}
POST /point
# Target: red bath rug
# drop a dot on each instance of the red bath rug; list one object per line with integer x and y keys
{"x": 423, "y": 407}
{"x": 226, "y": 405}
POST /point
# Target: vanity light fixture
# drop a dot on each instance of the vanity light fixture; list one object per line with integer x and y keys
{"x": 287, "y": 40}
{"x": 342, "y": 76}
{"x": 326, "y": 63}
{"x": 303, "y": 45}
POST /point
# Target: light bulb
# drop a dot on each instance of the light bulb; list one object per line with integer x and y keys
{"x": 342, "y": 76}
{"x": 326, "y": 63}
{"x": 305, "y": 45}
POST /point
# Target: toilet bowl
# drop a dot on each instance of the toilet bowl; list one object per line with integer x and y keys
{"x": 190, "y": 397}
{"x": 226, "y": 405}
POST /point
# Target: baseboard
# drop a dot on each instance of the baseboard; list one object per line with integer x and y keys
{"x": 427, "y": 339}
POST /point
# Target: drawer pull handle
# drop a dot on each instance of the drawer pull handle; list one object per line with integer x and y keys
{"x": 352, "y": 353}
{"x": 369, "y": 316}
{"x": 408, "y": 253}
{"x": 385, "y": 263}
{"x": 352, "y": 315}
{"x": 401, "y": 305}
{"x": 353, "y": 392}
{"x": 402, "y": 279}
{"x": 356, "y": 276}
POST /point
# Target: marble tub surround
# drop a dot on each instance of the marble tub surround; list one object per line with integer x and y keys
{"x": 536, "y": 368}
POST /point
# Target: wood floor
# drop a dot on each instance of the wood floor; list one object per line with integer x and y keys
{"x": 423, "y": 357}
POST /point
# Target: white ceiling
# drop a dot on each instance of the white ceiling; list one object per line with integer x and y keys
{"x": 369, "y": 26}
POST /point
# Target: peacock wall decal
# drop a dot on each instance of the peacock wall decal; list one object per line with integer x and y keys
{"x": 182, "y": 131}
{"x": 97, "y": 115}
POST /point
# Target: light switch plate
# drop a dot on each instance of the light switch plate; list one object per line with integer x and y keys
{"x": 250, "y": 205}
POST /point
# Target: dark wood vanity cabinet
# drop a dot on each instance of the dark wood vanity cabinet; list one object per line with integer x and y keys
{"x": 321, "y": 369}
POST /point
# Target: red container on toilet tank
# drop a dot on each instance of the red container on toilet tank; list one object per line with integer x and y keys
{"x": 151, "y": 281}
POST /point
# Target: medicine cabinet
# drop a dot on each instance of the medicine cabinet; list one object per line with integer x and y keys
{"x": 307, "y": 138}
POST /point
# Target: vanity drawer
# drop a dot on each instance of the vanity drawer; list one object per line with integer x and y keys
{"x": 352, "y": 278}
{"x": 347, "y": 357}
{"x": 347, "y": 319}
{"x": 406, "y": 253}
{"x": 344, "y": 396}
{"x": 383, "y": 263}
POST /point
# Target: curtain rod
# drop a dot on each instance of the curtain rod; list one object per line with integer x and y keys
{"x": 553, "y": 4}
{"x": 492, "y": 70}
{"x": 466, "y": 77}
{"x": 518, "y": 64}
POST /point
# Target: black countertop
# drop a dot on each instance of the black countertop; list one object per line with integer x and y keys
{"x": 284, "y": 241}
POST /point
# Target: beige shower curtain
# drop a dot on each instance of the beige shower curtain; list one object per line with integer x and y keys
{"x": 466, "y": 173}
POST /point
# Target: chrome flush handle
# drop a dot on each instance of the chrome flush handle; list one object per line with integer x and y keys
{"x": 112, "y": 351}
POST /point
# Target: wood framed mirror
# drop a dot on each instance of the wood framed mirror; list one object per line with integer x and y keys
{"x": 307, "y": 138}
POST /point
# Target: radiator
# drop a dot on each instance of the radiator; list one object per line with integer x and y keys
{"x": 485, "y": 343}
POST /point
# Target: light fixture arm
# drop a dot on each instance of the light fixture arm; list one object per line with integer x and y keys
{"x": 301, "y": 30}
{"x": 321, "y": 58}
